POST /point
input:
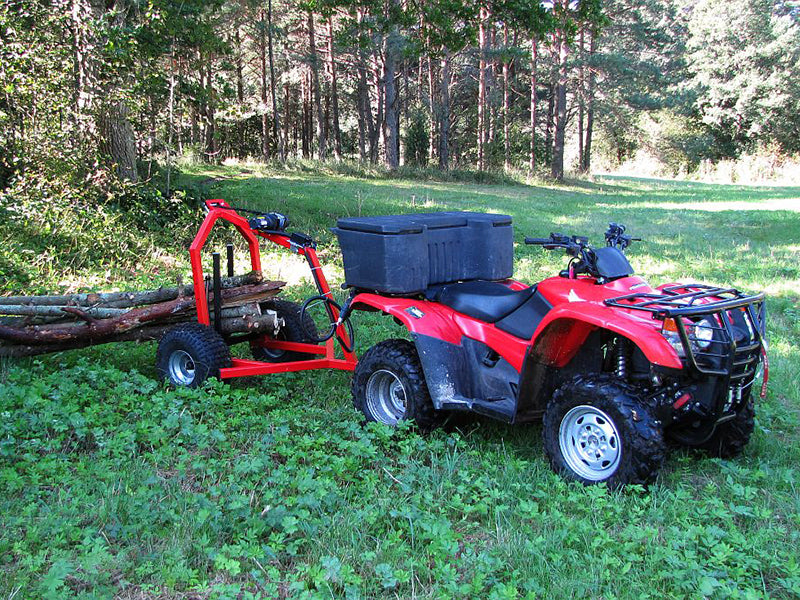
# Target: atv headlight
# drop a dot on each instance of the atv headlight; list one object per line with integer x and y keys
{"x": 670, "y": 332}
{"x": 703, "y": 333}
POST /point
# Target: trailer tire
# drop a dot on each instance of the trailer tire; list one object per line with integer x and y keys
{"x": 389, "y": 386}
{"x": 624, "y": 442}
{"x": 191, "y": 353}
{"x": 293, "y": 330}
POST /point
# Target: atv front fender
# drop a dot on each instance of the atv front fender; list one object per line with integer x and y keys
{"x": 565, "y": 328}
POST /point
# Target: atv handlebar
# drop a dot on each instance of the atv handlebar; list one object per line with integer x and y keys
{"x": 573, "y": 245}
{"x": 538, "y": 241}
{"x": 584, "y": 259}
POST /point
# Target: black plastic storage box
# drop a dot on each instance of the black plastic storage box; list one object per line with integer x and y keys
{"x": 405, "y": 254}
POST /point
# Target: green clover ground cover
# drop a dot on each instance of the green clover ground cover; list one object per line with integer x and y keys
{"x": 111, "y": 484}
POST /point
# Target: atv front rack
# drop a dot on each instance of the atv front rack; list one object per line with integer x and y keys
{"x": 738, "y": 329}
{"x": 681, "y": 301}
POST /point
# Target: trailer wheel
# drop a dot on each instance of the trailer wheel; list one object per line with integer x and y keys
{"x": 597, "y": 429}
{"x": 389, "y": 386}
{"x": 191, "y": 353}
{"x": 293, "y": 330}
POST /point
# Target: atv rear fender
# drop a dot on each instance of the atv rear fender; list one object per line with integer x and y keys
{"x": 565, "y": 328}
{"x": 468, "y": 365}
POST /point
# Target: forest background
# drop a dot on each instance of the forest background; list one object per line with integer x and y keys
{"x": 99, "y": 96}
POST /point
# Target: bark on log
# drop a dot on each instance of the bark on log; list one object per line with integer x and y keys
{"x": 58, "y": 311}
{"x": 64, "y": 312}
{"x": 126, "y": 299}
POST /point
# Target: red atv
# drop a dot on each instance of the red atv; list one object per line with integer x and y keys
{"x": 613, "y": 365}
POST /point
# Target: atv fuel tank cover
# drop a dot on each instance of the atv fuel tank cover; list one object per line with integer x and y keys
{"x": 611, "y": 263}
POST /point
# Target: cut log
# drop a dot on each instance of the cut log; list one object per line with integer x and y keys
{"x": 59, "y": 311}
{"x": 263, "y": 324}
{"x": 126, "y": 299}
{"x": 132, "y": 319}
{"x": 238, "y": 307}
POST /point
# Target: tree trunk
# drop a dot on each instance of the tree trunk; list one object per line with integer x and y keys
{"x": 276, "y": 124}
{"x": 557, "y": 166}
{"x": 481, "y": 129}
{"x": 262, "y": 73}
{"x": 170, "y": 117}
{"x": 534, "y": 52}
{"x": 316, "y": 91}
{"x": 337, "y": 134}
{"x": 306, "y": 118}
{"x": 364, "y": 113}
{"x": 210, "y": 137}
{"x": 581, "y": 98}
{"x": 506, "y": 103}
{"x": 443, "y": 115}
{"x": 240, "y": 125}
{"x": 491, "y": 84}
{"x": 390, "y": 99}
{"x": 366, "y": 124}
{"x": 119, "y": 141}
{"x": 378, "y": 82}
{"x": 287, "y": 113}
{"x": 195, "y": 126}
{"x": 432, "y": 109}
{"x": 587, "y": 145}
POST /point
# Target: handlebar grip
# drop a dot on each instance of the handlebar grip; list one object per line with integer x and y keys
{"x": 541, "y": 241}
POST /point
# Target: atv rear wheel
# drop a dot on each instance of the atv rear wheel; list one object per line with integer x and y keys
{"x": 389, "y": 386}
{"x": 294, "y": 330}
{"x": 191, "y": 353}
{"x": 597, "y": 429}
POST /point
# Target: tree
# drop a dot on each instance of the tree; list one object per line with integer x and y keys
{"x": 744, "y": 58}
{"x": 635, "y": 64}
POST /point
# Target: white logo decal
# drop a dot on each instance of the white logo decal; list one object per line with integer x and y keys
{"x": 573, "y": 297}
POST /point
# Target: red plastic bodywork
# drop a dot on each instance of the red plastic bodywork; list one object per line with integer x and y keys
{"x": 578, "y": 309}
{"x": 219, "y": 209}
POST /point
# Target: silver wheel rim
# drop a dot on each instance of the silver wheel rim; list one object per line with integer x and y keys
{"x": 181, "y": 367}
{"x": 590, "y": 443}
{"x": 274, "y": 353}
{"x": 386, "y": 397}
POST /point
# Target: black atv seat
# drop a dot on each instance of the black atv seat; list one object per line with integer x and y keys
{"x": 488, "y": 301}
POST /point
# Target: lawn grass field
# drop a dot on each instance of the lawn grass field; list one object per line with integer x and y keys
{"x": 111, "y": 484}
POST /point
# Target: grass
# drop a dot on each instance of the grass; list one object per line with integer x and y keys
{"x": 272, "y": 487}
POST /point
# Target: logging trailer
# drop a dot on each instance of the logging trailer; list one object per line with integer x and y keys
{"x": 190, "y": 353}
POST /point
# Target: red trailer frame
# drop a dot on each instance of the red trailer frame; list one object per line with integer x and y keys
{"x": 219, "y": 209}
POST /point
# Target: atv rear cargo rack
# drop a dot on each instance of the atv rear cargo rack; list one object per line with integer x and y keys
{"x": 734, "y": 350}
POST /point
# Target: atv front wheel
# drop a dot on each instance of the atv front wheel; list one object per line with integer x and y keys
{"x": 597, "y": 429}
{"x": 389, "y": 386}
{"x": 294, "y": 330}
{"x": 730, "y": 438}
{"x": 191, "y": 353}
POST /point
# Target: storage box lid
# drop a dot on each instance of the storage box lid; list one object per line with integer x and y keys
{"x": 414, "y": 222}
